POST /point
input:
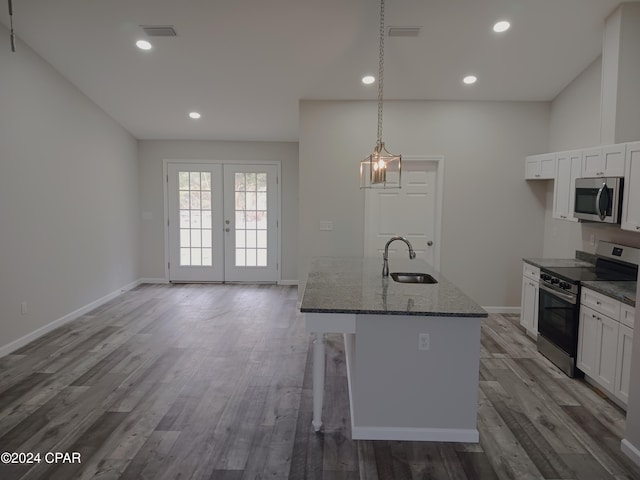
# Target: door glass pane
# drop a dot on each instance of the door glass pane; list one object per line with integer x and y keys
{"x": 251, "y": 219}
{"x": 195, "y": 218}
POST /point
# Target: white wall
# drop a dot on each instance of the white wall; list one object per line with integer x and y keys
{"x": 491, "y": 216}
{"x": 151, "y": 155}
{"x": 574, "y": 124}
{"x": 68, "y": 197}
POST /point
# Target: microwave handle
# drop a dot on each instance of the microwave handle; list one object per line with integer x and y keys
{"x": 601, "y": 214}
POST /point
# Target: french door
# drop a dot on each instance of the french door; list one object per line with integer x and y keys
{"x": 223, "y": 222}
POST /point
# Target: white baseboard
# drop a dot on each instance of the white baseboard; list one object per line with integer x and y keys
{"x": 30, "y": 337}
{"x": 630, "y": 451}
{"x": 288, "y": 282}
{"x": 416, "y": 434}
{"x": 153, "y": 280}
{"x": 515, "y": 310}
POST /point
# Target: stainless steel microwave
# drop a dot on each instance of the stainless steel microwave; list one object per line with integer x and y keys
{"x": 598, "y": 199}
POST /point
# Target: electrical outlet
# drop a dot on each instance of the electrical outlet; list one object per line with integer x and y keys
{"x": 423, "y": 341}
{"x": 23, "y": 308}
{"x": 592, "y": 239}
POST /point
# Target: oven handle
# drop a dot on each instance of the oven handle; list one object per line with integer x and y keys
{"x": 572, "y": 299}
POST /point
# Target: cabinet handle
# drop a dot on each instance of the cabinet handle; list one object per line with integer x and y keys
{"x": 637, "y": 227}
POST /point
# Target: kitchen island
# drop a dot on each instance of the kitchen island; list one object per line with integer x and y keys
{"x": 412, "y": 350}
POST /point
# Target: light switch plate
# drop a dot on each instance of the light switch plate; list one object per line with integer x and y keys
{"x": 326, "y": 225}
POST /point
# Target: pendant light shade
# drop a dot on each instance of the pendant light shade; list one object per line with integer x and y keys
{"x": 381, "y": 169}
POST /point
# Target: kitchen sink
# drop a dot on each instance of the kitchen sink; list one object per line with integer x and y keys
{"x": 413, "y": 277}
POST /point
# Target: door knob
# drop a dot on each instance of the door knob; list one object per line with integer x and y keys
{"x": 227, "y": 230}
{"x": 429, "y": 243}
{"x": 227, "y": 222}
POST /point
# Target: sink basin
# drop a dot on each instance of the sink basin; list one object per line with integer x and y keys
{"x": 413, "y": 277}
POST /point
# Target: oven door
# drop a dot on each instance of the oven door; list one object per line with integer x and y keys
{"x": 558, "y": 317}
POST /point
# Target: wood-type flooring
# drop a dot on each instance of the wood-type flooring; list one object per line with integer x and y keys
{"x": 214, "y": 382}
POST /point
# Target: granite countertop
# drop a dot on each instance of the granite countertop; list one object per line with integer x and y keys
{"x": 557, "y": 262}
{"x": 356, "y": 285}
{"x": 624, "y": 292}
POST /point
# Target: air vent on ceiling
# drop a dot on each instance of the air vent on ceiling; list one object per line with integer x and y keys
{"x": 159, "y": 30}
{"x": 403, "y": 31}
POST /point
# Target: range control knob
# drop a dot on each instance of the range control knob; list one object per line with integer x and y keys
{"x": 555, "y": 281}
{"x": 545, "y": 276}
{"x": 564, "y": 285}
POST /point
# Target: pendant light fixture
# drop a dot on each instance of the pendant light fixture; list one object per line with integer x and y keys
{"x": 381, "y": 169}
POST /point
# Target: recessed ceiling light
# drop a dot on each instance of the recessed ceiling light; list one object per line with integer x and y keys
{"x": 143, "y": 45}
{"x": 368, "y": 79}
{"x": 195, "y": 115}
{"x": 470, "y": 79}
{"x": 501, "y": 26}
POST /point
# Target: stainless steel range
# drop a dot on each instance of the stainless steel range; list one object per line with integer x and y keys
{"x": 559, "y": 303}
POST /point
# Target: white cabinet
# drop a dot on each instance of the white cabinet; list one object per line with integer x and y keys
{"x": 530, "y": 294}
{"x": 588, "y": 342}
{"x": 568, "y": 168}
{"x": 598, "y": 347}
{"x": 605, "y": 342}
{"x": 631, "y": 192}
{"x": 600, "y": 303}
{"x": 540, "y": 167}
{"x": 623, "y": 364}
{"x": 606, "y": 161}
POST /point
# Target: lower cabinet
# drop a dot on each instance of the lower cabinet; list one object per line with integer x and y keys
{"x": 530, "y": 293}
{"x": 623, "y": 363}
{"x": 598, "y": 347}
{"x": 604, "y": 345}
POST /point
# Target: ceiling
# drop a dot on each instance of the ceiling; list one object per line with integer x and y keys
{"x": 245, "y": 64}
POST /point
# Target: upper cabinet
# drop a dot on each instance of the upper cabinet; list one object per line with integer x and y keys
{"x": 540, "y": 167}
{"x": 605, "y": 161}
{"x": 631, "y": 191}
{"x": 568, "y": 168}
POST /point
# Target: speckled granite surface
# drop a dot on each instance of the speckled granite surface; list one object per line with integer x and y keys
{"x": 356, "y": 285}
{"x": 624, "y": 292}
{"x": 557, "y": 262}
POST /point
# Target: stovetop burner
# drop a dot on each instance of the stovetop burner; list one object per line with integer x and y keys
{"x": 584, "y": 274}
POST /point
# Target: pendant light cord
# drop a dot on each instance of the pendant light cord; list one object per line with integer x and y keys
{"x": 381, "y": 73}
{"x": 12, "y": 35}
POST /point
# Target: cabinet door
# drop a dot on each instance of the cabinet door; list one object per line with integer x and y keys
{"x": 607, "y": 161}
{"x": 623, "y": 363}
{"x": 631, "y": 193}
{"x": 608, "y": 346}
{"x": 588, "y": 341}
{"x": 592, "y": 165}
{"x": 529, "y": 310}
{"x": 613, "y": 160}
{"x": 568, "y": 168}
{"x": 540, "y": 167}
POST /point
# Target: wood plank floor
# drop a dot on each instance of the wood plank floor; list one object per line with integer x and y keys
{"x": 214, "y": 382}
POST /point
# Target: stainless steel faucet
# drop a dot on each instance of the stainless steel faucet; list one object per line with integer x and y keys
{"x": 385, "y": 256}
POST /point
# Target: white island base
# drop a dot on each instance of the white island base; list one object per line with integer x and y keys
{"x": 398, "y": 391}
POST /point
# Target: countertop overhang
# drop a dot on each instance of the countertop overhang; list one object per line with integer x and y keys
{"x": 356, "y": 285}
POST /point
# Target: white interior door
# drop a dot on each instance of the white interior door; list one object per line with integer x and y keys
{"x": 196, "y": 249}
{"x": 412, "y": 211}
{"x": 251, "y": 217}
